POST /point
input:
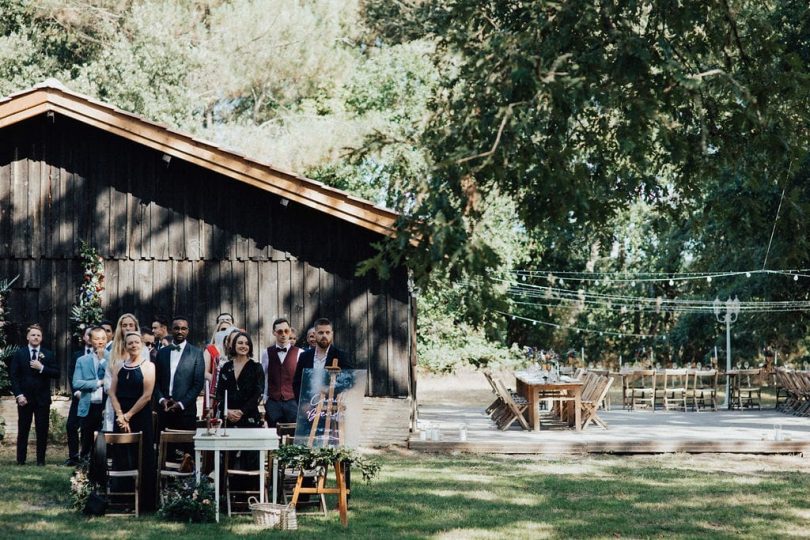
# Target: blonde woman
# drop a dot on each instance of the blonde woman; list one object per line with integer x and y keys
{"x": 116, "y": 355}
{"x": 131, "y": 394}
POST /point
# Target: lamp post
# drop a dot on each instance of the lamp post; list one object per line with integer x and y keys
{"x": 728, "y": 316}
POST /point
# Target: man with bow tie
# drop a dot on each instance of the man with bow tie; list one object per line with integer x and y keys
{"x": 279, "y": 362}
{"x": 88, "y": 379}
{"x": 32, "y": 368}
{"x": 179, "y": 379}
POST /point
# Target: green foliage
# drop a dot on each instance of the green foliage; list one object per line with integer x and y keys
{"x": 188, "y": 502}
{"x": 6, "y": 350}
{"x": 88, "y": 311}
{"x": 80, "y": 488}
{"x": 57, "y": 428}
{"x": 576, "y": 110}
{"x": 306, "y": 458}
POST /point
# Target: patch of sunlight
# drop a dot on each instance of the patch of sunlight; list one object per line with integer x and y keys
{"x": 801, "y": 513}
{"x": 526, "y": 499}
{"x": 247, "y": 528}
{"x": 39, "y": 525}
{"x": 590, "y": 468}
{"x": 518, "y": 529}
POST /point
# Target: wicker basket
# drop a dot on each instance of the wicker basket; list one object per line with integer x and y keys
{"x": 273, "y": 516}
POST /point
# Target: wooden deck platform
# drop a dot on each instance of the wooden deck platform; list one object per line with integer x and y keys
{"x": 630, "y": 432}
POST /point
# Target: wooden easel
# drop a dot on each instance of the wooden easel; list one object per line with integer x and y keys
{"x": 327, "y": 402}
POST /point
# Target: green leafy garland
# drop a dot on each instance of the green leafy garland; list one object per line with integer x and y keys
{"x": 87, "y": 310}
{"x": 305, "y": 458}
{"x": 6, "y": 350}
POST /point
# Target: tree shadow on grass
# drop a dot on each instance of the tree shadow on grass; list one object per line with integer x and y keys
{"x": 471, "y": 497}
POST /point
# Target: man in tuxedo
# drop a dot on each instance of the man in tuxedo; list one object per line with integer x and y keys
{"x": 32, "y": 368}
{"x": 88, "y": 378}
{"x": 279, "y": 362}
{"x": 73, "y": 421}
{"x": 319, "y": 356}
{"x": 180, "y": 375}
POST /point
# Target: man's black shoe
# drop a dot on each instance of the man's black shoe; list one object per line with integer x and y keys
{"x": 40, "y": 463}
{"x": 72, "y": 462}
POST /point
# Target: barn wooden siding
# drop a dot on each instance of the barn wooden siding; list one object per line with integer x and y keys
{"x": 178, "y": 238}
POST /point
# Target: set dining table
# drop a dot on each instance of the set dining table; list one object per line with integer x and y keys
{"x": 566, "y": 391}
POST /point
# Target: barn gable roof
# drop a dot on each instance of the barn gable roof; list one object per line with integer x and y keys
{"x": 52, "y": 96}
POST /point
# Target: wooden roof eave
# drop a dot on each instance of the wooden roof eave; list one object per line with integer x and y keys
{"x": 310, "y": 193}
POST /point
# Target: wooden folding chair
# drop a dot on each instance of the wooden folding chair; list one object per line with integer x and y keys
{"x": 642, "y": 388}
{"x": 498, "y": 403}
{"x": 703, "y": 389}
{"x": 514, "y": 408}
{"x": 115, "y": 443}
{"x": 746, "y": 392}
{"x": 168, "y": 467}
{"x": 590, "y": 407}
{"x": 674, "y": 387}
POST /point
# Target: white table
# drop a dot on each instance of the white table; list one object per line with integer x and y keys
{"x": 251, "y": 439}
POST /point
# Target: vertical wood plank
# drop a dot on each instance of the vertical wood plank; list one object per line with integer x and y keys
{"x": 119, "y": 208}
{"x": 252, "y": 309}
{"x": 162, "y": 287}
{"x": 35, "y": 206}
{"x": 312, "y": 295}
{"x": 21, "y": 222}
{"x": 226, "y": 289}
{"x": 98, "y": 172}
{"x": 378, "y": 349}
{"x": 6, "y": 199}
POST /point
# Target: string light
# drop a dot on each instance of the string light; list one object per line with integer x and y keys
{"x": 580, "y": 329}
{"x": 598, "y": 278}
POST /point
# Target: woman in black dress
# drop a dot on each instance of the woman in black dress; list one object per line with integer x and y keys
{"x": 243, "y": 379}
{"x": 131, "y": 394}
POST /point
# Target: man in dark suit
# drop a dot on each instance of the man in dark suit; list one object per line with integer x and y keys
{"x": 73, "y": 421}
{"x": 32, "y": 368}
{"x": 180, "y": 375}
{"x": 319, "y": 356}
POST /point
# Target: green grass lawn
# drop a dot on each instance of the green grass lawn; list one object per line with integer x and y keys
{"x": 437, "y": 496}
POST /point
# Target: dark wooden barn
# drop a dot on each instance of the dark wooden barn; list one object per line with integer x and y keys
{"x": 185, "y": 226}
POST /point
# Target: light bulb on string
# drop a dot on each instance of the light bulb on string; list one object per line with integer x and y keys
{"x": 708, "y": 279}
{"x": 671, "y": 282}
{"x": 748, "y": 274}
{"x": 795, "y": 278}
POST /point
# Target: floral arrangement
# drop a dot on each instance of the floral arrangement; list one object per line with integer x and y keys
{"x": 305, "y": 458}
{"x": 80, "y": 488}
{"x": 87, "y": 310}
{"x": 187, "y": 501}
{"x": 6, "y": 350}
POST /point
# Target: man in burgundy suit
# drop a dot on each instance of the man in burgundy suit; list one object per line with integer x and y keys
{"x": 279, "y": 362}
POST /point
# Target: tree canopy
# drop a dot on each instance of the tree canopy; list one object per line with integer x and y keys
{"x": 616, "y": 137}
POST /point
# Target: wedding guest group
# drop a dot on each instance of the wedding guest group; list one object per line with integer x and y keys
{"x": 123, "y": 372}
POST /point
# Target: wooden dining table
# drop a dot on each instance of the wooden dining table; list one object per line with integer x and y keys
{"x": 535, "y": 389}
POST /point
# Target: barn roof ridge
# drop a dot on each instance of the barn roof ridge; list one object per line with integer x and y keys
{"x": 52, "y": 96}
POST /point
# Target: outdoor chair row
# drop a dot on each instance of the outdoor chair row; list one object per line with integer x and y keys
{"x": 682, "y": 388}
{"x": 797, "y": 388}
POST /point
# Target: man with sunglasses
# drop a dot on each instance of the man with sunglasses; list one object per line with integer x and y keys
{"x": 279, "y": 362}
